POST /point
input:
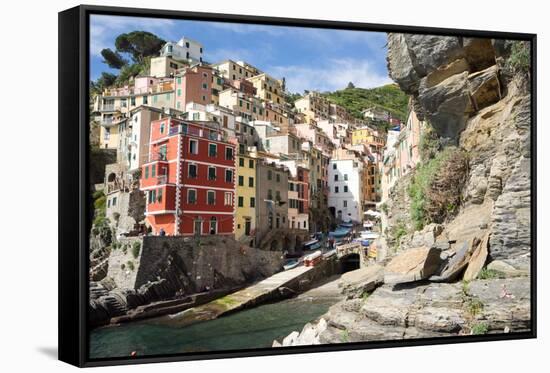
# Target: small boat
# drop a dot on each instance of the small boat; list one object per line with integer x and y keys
{"x": 367, "y": 235}
{"x": 339, "y": 232}
{"x": 313, "y": 258}
{"x": 312, "y": 245}
{"x": 365, "y": 242}
{"x": 291, "y": 264}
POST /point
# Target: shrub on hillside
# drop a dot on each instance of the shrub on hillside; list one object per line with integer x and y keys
{"x": 436, "y": 187}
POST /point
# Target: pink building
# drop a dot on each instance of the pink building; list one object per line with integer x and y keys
{"x": 194, "y": 84}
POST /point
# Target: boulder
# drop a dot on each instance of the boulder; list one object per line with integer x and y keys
{"x": 484, "y": 87}
{"x": 478, "y": 259}
{"x": 506, "y": 303}
{"x": 428, "y": 52}
{"x": 427, "y": 236}
{"x": 355, "y": 283}
{"x": 446, "y": 71}
{"x": 400, "y": 64}
{"x": 456, "y": 263}
{"x": 412, "y": 265}
{"x": 447, "y": 105}
{"x": 505, "y": 269}
{"x": 479, "y": 53}
{"x": 290, "y": 339}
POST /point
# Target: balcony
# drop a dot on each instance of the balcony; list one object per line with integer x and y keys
{"x": 109, "y": 108}
{"x": 162, "y": 179}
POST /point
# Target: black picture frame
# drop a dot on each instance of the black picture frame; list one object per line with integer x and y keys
{"x": 74, "y": 209}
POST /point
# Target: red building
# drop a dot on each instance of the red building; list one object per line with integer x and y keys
{"x": 189, "y": 180}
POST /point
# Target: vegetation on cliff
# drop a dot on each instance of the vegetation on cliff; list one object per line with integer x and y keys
{"x": 436, "y": 187}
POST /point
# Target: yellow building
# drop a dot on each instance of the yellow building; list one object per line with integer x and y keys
{"x": 369, "y": 137}
{"x": 236, "y": 70}
{"x": 245, "y": 198}
{"x": 268, "y": 88}
{"x": 313, "y": 107}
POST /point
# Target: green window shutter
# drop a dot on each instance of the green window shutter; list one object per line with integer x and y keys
{"x": 153, "y": 170}
{"x": 146, "y": 172}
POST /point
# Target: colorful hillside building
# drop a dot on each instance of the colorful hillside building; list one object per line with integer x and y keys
{"x": 189, "y": 179}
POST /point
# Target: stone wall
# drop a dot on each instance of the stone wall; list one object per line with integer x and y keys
{"x": 192, "y": 265}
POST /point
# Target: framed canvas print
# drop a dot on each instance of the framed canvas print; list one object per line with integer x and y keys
{"x": 241, "y": 185}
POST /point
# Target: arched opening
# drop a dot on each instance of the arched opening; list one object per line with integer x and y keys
{"x": 111, "y": 178}
{"x": 350, "y": 262}
{"x": 276, "y": 245}
{"x": 332, "y": 210}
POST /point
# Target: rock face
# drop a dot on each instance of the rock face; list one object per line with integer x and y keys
{"x": 459, "y": 86}
{"x": 428, "y": 310}
{"x": 356, "y": 283}
{"x": 412, "y": 265}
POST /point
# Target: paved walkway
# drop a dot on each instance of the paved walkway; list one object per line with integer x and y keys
{"x": 254, "y": 294}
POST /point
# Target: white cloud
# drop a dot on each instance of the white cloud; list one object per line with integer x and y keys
{"x": 103, "y": 29}
{"x": 243, "y": 28}
{"x": 333, "y": 75}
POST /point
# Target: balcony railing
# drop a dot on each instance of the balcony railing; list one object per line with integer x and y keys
{"x": 108, "y": 108}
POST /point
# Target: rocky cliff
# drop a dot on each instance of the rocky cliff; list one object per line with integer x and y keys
{"x": 469, "y": 272}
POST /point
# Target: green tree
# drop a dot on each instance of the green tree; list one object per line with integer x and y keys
{"x": 113, "y": 59}
{"x": 350, "y": 85}
{"x": 139, "y": 44}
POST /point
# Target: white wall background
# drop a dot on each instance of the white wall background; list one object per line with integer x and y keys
{"x": 28, "y": 264}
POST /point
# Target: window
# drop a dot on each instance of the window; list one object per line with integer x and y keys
{"x": 278, "y": 178}
{"x": 145, "y": 100}
{"x": 191, "y": 196}
{"x": 211, "y": 173}
{"x": 228, "y": 176}
{"x": 153, "y": 170}
{"x": 179, "y": 92}
{"x": 269, "y": 194}
{"x": 250, "y": 163}
{"x": 146, "y": 172}
{"x": 252, "y": 202}
{"x": 336, "y": 189}
{"x": 346, "y": 177}
{"x": 193, "y": 147}
{"x": 241, "y": 162}
{"x": 345, "y": 188}
{"x": 345, "y": 203}
{"x": 269, "y": 175}
{"x": 228, "y": 199}
{"x": 267, "y": 144}
{"x": 204, "y": 86}
{"x": 241, "y": 201}
{"x": 251, "y": 182}
{"x": 212, "y": 150}
{"x": 114, "y": 201}
{"x": 210, "y": 197}
{"x": 179, "y": 81}
{"x": 159, "y": 196}
{"x": 336, "y": 177}
{"x": 228, "y": 153}
{"x": 192, "y": 171}
{"x": 241, "y": 180}
{"x": 277, "y": 195}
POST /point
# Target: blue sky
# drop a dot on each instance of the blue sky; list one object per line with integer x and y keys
{"x": 313, "y": 59}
